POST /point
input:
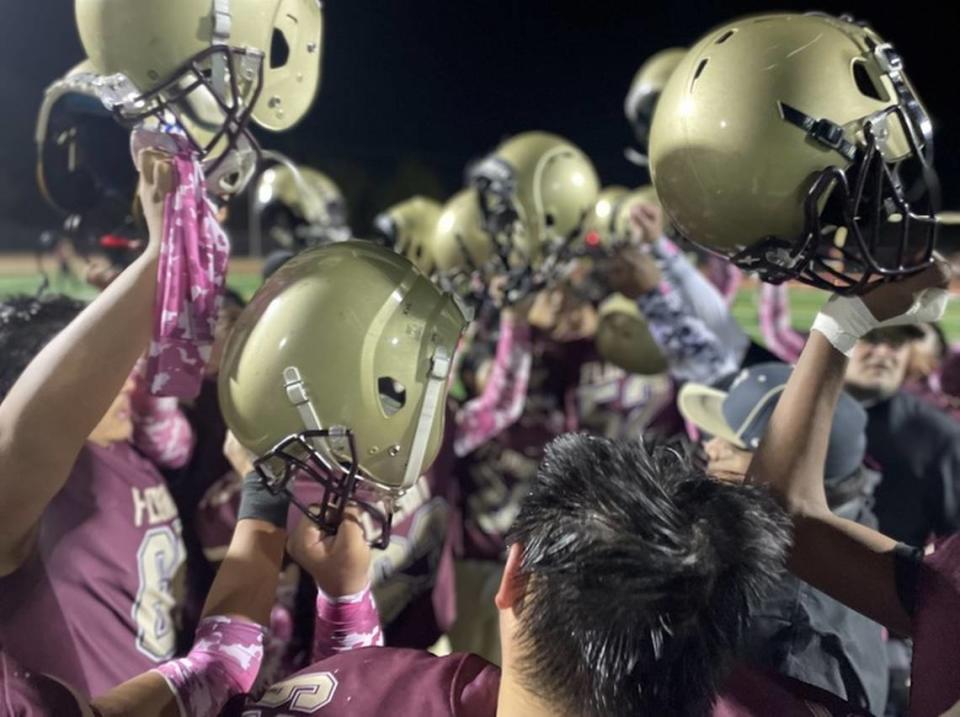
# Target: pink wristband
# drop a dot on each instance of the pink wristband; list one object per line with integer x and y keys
{"x": 346, "y": 623}
{"x": 224, "y": 662}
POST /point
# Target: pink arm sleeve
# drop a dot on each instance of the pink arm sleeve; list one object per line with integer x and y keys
{"x": 223, "y": 663}
{"x": 774, "y": 310}
{"x": 345, "y": 623}
{"x": 161, "y": 430}
{"x": 724, "y": 276}
{"x": 503, "y": 397}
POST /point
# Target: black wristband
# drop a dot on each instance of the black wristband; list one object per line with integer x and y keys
{"x": 260, "y": 504}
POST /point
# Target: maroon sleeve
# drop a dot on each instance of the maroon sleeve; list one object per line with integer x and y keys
{"x": 936, "y": 631}
{"x": 753, "y": 693}
{"x": 25, "y": 694}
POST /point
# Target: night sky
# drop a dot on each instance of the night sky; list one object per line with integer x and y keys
{"x": 414, "y": 89}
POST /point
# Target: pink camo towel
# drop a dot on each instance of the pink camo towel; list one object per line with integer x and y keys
{"x": 193, "y": 262}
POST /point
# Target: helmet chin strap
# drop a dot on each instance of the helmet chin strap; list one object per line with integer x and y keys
{"x": 222, "y": 25}
{"x": 440, "y": 364}
{"x": 299, "y": 396}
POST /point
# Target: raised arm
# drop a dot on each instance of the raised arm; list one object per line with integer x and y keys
{"x": 66, "y": 389}
{"x": 853, "y": 563}
{"x": 347, "y": 617}
{"x": 501, "y": 402}
{"x": 228, "y": 647}
{"x": 773, "y": 313}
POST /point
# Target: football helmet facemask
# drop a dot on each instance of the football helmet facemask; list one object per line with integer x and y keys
{"x": 337, "y": 371}
{"x": 796, "y": 146}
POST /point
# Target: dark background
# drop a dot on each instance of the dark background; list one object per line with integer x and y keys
{"x": 413, "y": 89}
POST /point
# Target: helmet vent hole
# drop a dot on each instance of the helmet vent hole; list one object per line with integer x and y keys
{"x": 866, "y": 84}
{"x": 725, "y": 36}
{"x": 700, "y": 68}
{"x": 279, "y": 50}
{"x": 393, "y": 395}
{"x": 549, "y": 220}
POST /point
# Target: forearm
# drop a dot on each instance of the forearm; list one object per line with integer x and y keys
{"x": 65, "y": 391}
{"x": 692, "y": 350}
{"x": 702, "y": 298}
{"x": 246, "y": 583}
{"x": 775, "y": 327}
{"x": 791, "y": 456}
{"x": 146, "y": 695}
{"x": 502, "y": 400}
{"x": 345, "y": 623}
{"x": 848, "y": 561}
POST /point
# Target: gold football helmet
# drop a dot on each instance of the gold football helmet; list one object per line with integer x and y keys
{"x": 298, "y": 206}
{"x": 643, "y": 94}
{"x": 624, "y": 339}
{"x": 537, "y": 191}
{"x": 338, "y": 369}
{"x": 408, "y": 228}
{"x": 211, "y": 65}
{"x": 796, "y": 146}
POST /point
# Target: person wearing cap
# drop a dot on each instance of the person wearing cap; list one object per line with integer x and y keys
{"x": 915, "y": 446}
{"x": 798, "y": 630}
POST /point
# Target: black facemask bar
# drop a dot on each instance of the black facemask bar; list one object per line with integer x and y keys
{"x": 495, "y": 184}
{"x": 296, "y": 456}
{"x": 194, "y": 74}
{"x": 861, "y": 201}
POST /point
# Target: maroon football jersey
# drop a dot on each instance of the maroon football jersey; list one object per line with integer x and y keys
{"x": 95, "y": 603}
{"x": 383, "y": 680}
{"x": 935, "y": 685}
{"x": 379, "y": 680}
{"x": 25, "y": 694}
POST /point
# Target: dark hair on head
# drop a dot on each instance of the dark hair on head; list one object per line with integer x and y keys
{"x": 27, "y": 324}
{"x": 642, "y": 572}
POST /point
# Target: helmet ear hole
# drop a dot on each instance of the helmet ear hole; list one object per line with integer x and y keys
{"x": 393, "y": 395}
{"x": 549, "y": 220}
{"x": 279, "y": 50}
{"x": 865, "y": 83}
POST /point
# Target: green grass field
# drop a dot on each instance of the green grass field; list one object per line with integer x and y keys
{"x": 804, "y": 301}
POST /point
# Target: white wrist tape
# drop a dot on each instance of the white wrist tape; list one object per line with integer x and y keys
{"x": 844, "y": 320}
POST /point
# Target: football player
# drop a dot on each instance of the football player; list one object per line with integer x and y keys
{"x": 798, "y": 630}
{"x": 340, "y": 364}
{"x": 87, "y": 610}
{"x": 912, "y": 590}
{"x": 629, "y": 579}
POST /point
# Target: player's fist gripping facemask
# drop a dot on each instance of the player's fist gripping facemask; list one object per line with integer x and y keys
{"x": 337, "y": 372}
{"x": 796, "y": 146}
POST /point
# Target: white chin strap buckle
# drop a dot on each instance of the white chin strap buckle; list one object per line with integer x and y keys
{"x": 440, "y": 364}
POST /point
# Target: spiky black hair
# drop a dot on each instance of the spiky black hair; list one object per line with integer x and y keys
{"x": 27, "y": 324}
{"x": 641, "y": 574}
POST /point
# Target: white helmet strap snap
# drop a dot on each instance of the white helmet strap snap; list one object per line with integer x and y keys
{"x": 299, "y": 396}
{"x": 222, "y": 26}
{"x": 440, "y": 364}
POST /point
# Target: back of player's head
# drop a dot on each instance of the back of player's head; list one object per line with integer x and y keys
{"x": 641, "y": 572}
{"x": 27, "y": 324}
